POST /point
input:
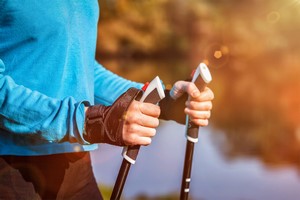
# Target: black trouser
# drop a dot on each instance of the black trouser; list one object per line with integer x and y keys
{"x": 59, "y": 176}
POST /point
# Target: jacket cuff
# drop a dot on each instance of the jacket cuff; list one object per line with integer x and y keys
{"x": 79, "y": 121}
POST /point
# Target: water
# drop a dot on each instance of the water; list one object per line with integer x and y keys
{"x": 251, "y": 149}
{"x": 158, "y": 170}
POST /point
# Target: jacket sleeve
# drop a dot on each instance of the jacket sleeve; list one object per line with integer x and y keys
{"x": 37, "y": 116}
{"x": 109, "y": 86}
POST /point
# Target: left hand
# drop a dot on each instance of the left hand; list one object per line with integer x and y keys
{"x": 199, "y": 106}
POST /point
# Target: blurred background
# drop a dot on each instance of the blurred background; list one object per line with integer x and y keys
{"x": 251, "y": 148}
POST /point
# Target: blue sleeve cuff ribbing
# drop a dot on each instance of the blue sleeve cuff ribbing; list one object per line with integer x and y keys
{"x": 79, "y": 121}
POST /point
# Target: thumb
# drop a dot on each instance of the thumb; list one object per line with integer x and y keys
{"x": 181, "y": 87}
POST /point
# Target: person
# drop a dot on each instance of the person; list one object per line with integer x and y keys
{"x": 57, "y": 102}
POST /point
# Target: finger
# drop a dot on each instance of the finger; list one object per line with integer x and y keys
{"x": 201, "y": 106}
{"x": 146, "y": 132}
{"x": 141, "y": 119}
{"x": 177, "y": 89}
{"x": 144, "y": 141}
{"x": 137, "y": 135}
{"x": 137, "y": 108}
{"x": 192, "y": 90}
{"x": 135, "y": 130}
{"x": 139, "y": 141}
{"x": 150, "y": 109}
{"x": 205, "y": 95}
{"x": 181, "y": 87}
{"x": 148, "y": 121}
{"x": 200, "y": 122}
{"x": 195, "y": 114}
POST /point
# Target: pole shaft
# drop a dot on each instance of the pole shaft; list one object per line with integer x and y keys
{"x": 201, "y": 77}
{"x": 121, "y": 179}
{"x": 186, "y": 176}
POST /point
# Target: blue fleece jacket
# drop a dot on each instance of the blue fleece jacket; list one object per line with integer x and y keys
{"x": 47, "y": 69}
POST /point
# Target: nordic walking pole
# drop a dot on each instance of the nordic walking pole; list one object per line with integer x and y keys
{"x": 153, "y": 93}
{"x": 201, "y": 78}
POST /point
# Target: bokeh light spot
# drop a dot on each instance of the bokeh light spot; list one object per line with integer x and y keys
{"x": 169, "y": 86}
{"x": 224, "y": 50}
{"x": 273, "y": 17}
{"x": 218, "y": 54}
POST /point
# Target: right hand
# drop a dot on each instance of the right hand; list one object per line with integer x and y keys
{"x": 125, "y": 122}
{"x": 141, "y": 121}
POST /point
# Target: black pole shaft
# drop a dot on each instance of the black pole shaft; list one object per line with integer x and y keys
{"x": 121, "y": 179}
{"x": 187, "y": 169}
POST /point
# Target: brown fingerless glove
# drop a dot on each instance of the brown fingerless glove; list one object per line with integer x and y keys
{"x": 104, "y": 124}
{"x": 173, "y": 109}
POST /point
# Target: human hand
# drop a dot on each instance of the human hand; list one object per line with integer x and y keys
{"x": 126, "y": 122}
{"x": 141, "y": 121}
{"x": 199, "y": 105}
{"x": 104, "y": 124}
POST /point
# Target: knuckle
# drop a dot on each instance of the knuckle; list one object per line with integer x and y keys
{"x": 191, "y": 104}
{"x": 126, "y": 139}
{"x": 152, "y": 132}
{"x": 209, "y": 114}
{"x": 154, "y": 110}
{"x": 127, "y": 116}
{"x": 156, "y": 122}
{"x": 137, "y": 106}
{"x": 205, "y": 115}
{"x": 204, "y": 122}
{"x": 190, "y": 87}
{"x": 157, "y": 110}
{"x": 209, "y": 105}
{"x": 211, "y": 94}
{"x": 129, "y": 139}
{"x": 133, "y": 118}
{"x": 133, "y": 128}
{"x": 147, "y": 141}
{"x": 133, "y": 138}
{"x": 201, "y": 122}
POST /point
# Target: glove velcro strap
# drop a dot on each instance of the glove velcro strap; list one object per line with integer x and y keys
{"x": 105, "y": 124}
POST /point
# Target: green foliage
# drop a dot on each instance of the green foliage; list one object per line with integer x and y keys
{"x": 105, "y": 191}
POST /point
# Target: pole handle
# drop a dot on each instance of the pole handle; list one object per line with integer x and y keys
{"x": 153, "y": 93}
{"x": 201, "y": 77}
